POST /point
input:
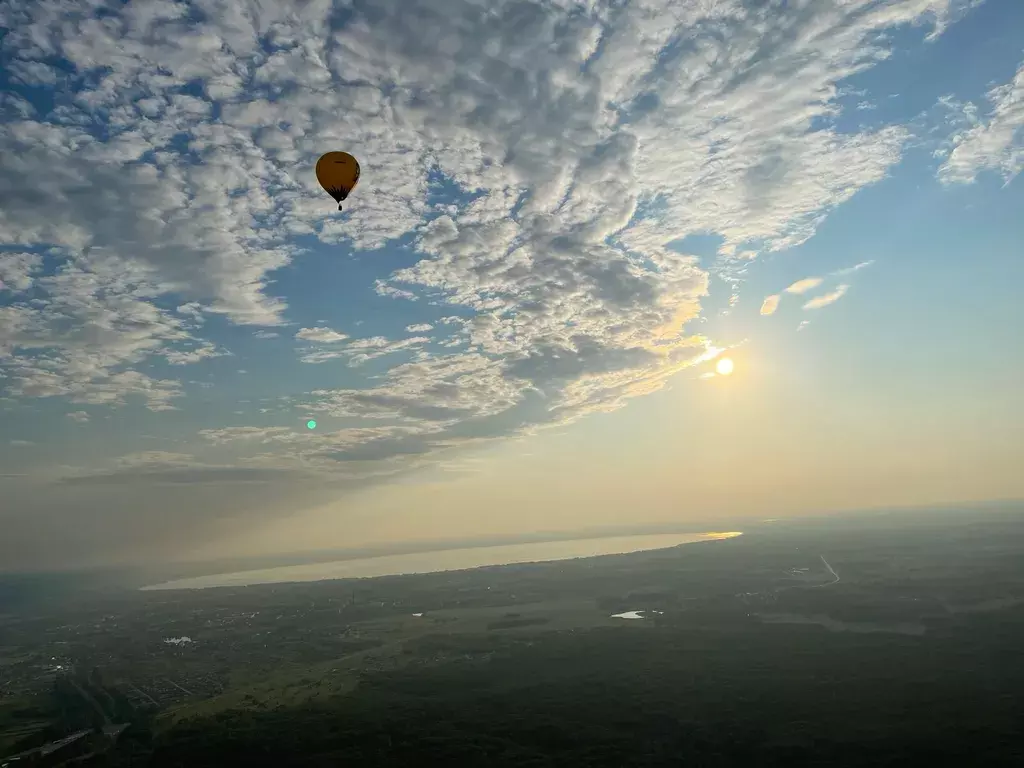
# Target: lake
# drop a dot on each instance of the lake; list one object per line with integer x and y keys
{"x": 446, "y": 560}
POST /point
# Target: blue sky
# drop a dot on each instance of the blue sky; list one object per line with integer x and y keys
{"x": 567, "y": 212}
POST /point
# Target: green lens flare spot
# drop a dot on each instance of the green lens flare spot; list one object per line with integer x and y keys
{"x": 311, "y": 424}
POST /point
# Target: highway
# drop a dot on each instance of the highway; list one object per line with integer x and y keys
{"x": 835, "y": 576}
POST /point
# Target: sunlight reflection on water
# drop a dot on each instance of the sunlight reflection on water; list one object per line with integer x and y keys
{"x": 446, "y": 560}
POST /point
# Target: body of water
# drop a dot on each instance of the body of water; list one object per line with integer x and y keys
{"x": 635, "y": 614}
{"x": 446, "y": 560}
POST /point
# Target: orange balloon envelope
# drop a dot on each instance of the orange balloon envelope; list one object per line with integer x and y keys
{"x": 338, "y": 173}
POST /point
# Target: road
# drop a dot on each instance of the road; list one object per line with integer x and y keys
{"x": 835, "y": 576}
{"x": 89, "y": 699}
{"x": 186, "y": 691}
{"x": 143, "y": 693}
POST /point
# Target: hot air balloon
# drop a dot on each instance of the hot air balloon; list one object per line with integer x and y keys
{"x": 338, "y": 173}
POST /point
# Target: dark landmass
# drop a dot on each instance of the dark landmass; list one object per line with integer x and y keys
{"x": 871, "y": 640}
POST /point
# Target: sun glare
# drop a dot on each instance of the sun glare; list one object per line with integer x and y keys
{"x": 724, "y": 366}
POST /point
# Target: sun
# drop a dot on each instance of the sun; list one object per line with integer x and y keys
{"x": 724, "y": 366}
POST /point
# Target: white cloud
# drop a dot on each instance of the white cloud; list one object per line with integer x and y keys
{"x": 442, "y": 390}
{"x": 79, "y": 416}
{"x": 804, "y": 285}
{"x": 322, "y": 356}
{"x": 186, "y": 356}
{"x": 948, "y": 12}
{"x": 995, "y": 144}
{"x": 568, "y": 316}
{"x": 369, "y": 349}
{"x": 257, "y": 434}
{"x": 320, "y": 335}
{"x": 384, "y": 289}
{"x": 174, "y": 170}
{"x": 827, "y": 298}
{"x": 855, "y": 268}
{"x": 93, "y": 318}
{"x": 21, "y": 443}
{"x": 359, "y": 351}
{"x": 16, "y": 270}
{"x": 770, "y": 304}
{"x": 807, "y": 284}
{"x": 193, "y": 309}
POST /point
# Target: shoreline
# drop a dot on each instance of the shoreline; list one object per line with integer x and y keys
{"x": 433, "y": 561}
